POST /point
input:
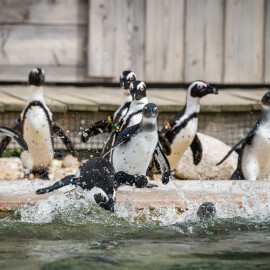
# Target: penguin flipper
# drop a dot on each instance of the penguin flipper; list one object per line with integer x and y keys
{"x": 196, "y": 148}
{"x": 166, "y": 146}
{"x": 246, "y": 139}
{"x": 163, "y": 163}
{"x": 69, "y": 179}
{"x": 13, "y": 135}
{"x": 57, "y": 128}
{"x": 124, "y": 136}
{"x": 96, "y": 128}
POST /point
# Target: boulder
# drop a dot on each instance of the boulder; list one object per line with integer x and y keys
{"x": 213, "y": 151}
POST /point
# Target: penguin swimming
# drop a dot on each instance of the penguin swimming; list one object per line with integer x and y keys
{"x": 12, "y": 134}
{"x": 254, "y": 157}
{"x": 107, "y": 125}
{"x": 37, "y": 126}
{"x": 96, "y": 174}
{"x": 181, "y": 130}
{"x": 206, "y": 210}
{"x": 134, "y": 148}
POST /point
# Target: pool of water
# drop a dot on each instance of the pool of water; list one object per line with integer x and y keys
{"x": 67, "y": 232}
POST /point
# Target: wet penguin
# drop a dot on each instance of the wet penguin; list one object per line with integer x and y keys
{"x": 206, "y": 210}
{"x": 96, "y": 174}
{"x": 181, "y": 130}
{"x": 254, "y": 157}
{"x": 134, "y": 148}
{"x": 134, "y": 114}
{"x": 11, "y": 133}
{"x": 126, "y": 77}
{"x": 36, "y": 125}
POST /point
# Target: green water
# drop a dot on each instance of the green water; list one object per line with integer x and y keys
{"x": 64, "y": 233}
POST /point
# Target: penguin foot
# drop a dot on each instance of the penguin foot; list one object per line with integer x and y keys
{"x": 45, "y": 174}
{"x": 141, "y": 181}
{"x": 26, "y": 173}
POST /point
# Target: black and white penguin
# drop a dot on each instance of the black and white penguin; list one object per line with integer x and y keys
{"x": 206, "y": 210}
{"x": 134, "y": 114}
{"x": 134, "y": 148}
{"x": 15, "y": 136}
{"x": 181, "y": 130}
{"x": 36, "y": 125}
{"x": 107, "y": 125}
{"x": 254, "y": 157}
{"x": 96, "y": 174}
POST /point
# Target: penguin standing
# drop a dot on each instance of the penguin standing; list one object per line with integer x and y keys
{"x": 37, "y": 126}
{"x": 133, "y": 116}
{"x": 254, "y": 155}
{"x": 134, "y": 148}
{"x": 96, "y": 174}
{"x": 181, "y": 130}
{"x": 107, "y": 125}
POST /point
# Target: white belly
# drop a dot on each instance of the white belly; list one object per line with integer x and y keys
{"x": 36, "y": 132}
{"x": 134, "y": 157}
{"x": 256, "y": 158}
{"x": 181, "y": 142}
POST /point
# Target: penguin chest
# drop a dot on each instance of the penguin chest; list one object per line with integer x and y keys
{"x": 256, "y": 157}
{"x": 37, "y": 134}
{"x": 182, "y": 141}
{"x": 134, "y": 157}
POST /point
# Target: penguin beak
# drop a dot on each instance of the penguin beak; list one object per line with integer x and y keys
{"x": 109, "y": 205}
{"x": 211, "y": 90}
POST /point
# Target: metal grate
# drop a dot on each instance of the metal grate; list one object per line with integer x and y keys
{"x": 227, "y": 127}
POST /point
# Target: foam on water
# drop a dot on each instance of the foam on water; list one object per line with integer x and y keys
{"x": 78, "y": 207}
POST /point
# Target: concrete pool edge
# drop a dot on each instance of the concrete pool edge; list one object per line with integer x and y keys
{"x": 177, "y": 194}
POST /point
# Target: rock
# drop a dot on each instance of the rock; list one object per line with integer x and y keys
{"x": 213, "y": 151}
{"x": 70, "y": 162}
{"x": 11, "y": 168}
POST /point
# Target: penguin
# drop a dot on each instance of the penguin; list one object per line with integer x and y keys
{"x": 126, "y": 77}
{"x": 206, "y": 210}
{"x": 134, "y": 148}
{"x": 133, "y": 116}
{"x": 181, "y": 130}
{"x": 96, "y": 174}
{"x": 254, "y": 158}
{"x": 36, "y": 125}
{"x": 15, "y": 136}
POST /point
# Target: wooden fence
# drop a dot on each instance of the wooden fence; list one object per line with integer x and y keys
{"x": 170, "y": 41}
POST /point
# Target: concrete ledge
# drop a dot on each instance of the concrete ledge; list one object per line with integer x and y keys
{"x": 179, "y": 194}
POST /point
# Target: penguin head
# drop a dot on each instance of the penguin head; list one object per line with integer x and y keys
{"x": 106, "y": 199}
{"x": 126, "y": 78}
{"x": 266, "y": 100}
{"x": 199, "y": 89}
{"x": 36, "y": 77}
{"x": 150, "y": 110}
{"x": 137, "y": 90}
{"x": 206, "y": 210}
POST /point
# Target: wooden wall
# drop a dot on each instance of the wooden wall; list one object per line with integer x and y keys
{"x": 169, "y": 41}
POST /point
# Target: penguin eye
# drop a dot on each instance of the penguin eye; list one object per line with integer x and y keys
{"x": 199, "y": 86}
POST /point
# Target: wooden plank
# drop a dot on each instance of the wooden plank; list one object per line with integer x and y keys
{"x": 267, "y": 44}
{"x": 130, "y": 32}
{"x": 164, "y": 40}
{"x": 244, "y": 41}
{"x": 21, "y": 93}
{"x": 43, "y": 45}
{"x": 62, "y": 74}
{"x": 10, "y": 103}
{"x": 73, "y": 103}
{"x": 204, "y": 42}
{"x": 101, "y": 41}
{"x": 45, "y": 12}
